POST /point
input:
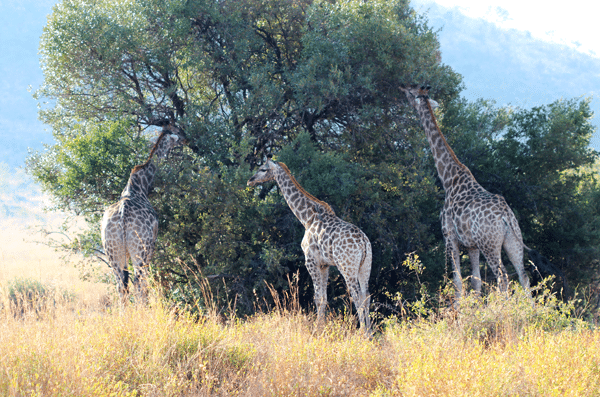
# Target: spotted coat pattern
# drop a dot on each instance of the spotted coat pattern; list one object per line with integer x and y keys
{"x": 328, "y": 241}
{"x": 130, "y": 226}
{"x": 471, "y": 216}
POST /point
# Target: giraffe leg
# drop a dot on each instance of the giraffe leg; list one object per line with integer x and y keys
{"x": 141, "y": 253}
{"x": 117, "y": 260}
{"x": 355, "y": 294}
{"x": 475, "y": 270}
{"x": 513, "y": 247}
{"x": 355, "y": 266}
{"x": 453, "y": 253}
{"x": 361, "y": 301}
{"x": 364, "y": 272}
{"x": 319, "y": 274}
{"x": 140, "y": 283}
{"x": 494, "y": 260}
{"x": 502, "y": 275}
{"x": 140, "y": 277}
{"x": 123, "y": 281}
{"x": 122, "y": 276}
{"x": 113, "y": 242}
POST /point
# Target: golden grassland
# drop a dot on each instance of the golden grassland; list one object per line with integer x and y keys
{"x": 151, "y": 351}
{"x": 495, "y": 346}
{"x": 23, "y": 256}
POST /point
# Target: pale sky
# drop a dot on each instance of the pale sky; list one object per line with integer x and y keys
{"x": 574, "y": 23}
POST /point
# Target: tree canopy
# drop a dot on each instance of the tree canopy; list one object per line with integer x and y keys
{"x": 228, "y": 70}
{"x": 316, "y": 84}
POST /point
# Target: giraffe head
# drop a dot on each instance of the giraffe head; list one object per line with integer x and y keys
{"x": 163, "y": 143}
{"x": 264, "y": 174}
{"x": 416, "y": 94}
{"x": 161, "y": 146}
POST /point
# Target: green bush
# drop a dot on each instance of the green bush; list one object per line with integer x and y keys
{"x": 25, "y": 295}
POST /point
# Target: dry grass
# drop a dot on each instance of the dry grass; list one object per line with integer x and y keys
{"x": 151, "y": 351}
{"x": 493, "y": 347}
{"x": 539, "y": 364}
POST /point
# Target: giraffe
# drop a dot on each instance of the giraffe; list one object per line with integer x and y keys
{"x": 130, "y": 226}
{"x": 328, "y": 241}
{"x": 471, "y": 216}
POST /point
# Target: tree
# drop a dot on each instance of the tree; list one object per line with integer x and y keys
{"x": 313, "y": 81}
{"x": 229, "y": 69}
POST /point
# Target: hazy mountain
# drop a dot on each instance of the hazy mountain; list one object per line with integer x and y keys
{"x": 510, "y": 66}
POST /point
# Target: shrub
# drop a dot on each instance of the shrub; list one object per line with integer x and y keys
{"x": 25, "y": 295}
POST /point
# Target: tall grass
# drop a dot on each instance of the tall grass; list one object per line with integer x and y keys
{"x": 56, "y": 339}
{"x": 25, "y": 296}
{"x": 497, "y": 345}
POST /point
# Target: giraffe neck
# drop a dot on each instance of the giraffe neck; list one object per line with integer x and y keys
{"x": 448, "y": 166}
{"x": 142, "y": 175}
{"x": 140, "y": 181}
{"x": 303, "y": 205}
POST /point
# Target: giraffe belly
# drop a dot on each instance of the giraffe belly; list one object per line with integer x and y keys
{"x": 344, "y": 247}
{"x": 464, "y": 235}
{"x": 312, "y": 249}
{"x": 478, "y": 223}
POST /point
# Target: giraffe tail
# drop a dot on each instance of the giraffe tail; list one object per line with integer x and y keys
{"x": 511, "y": 221}
{"x": 367, "y": 254}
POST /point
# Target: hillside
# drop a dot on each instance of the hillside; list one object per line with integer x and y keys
{"x": 510, "y": 66}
